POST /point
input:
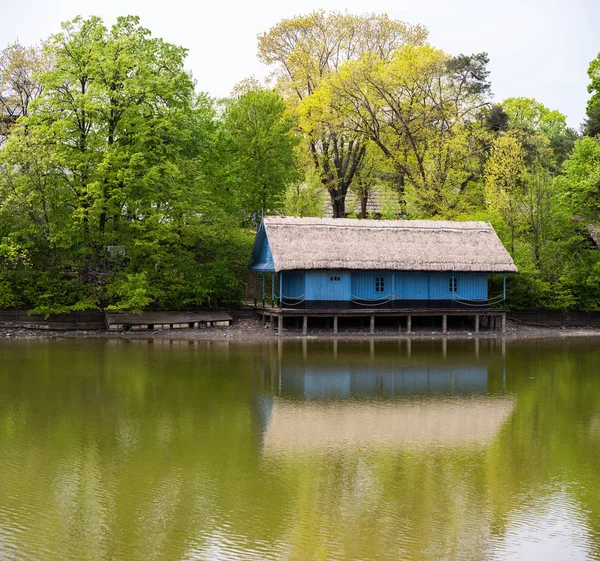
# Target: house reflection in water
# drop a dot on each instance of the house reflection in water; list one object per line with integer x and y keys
{"x": 344, "y": 382}
{"x": 335, "y": 404}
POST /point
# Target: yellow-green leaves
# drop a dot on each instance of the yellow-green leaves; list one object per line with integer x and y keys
{"x": 308, "y": 53}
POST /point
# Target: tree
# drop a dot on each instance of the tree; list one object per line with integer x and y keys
{"x": 99, "y": 184}
{"x": 504, "y": 176}
{"x": 308, "y": 49}
{"x": 19, "y": 66}
{"x": 262, "y": 146}
{"x": 420, "y": 107}
{"x": 581, "y": 182}
{"x": 543, "y": 132}
{"x": 591, "y": 126}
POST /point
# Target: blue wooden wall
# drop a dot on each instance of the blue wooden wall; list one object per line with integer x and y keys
{"x": 363, "y": 285}
{"x": 293, "y": 285}
{"x": 262, "y": 258}
{"x": 319, "y": 285}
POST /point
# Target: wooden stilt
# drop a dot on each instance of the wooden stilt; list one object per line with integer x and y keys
{"x": 504, "y": 323}
{"x": 280, "y": 325}
{"x": 372, "y": 330}
{"x": 408, "y": 324}
{"x": 304, "y": 325}
{"x": 335, "y": 325}
{"x": 477, "y": 323}
{"x": 444, "y": 323}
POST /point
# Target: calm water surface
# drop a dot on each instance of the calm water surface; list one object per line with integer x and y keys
{"x": 133, "y": 450}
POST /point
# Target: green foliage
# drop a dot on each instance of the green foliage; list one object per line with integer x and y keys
{"x": 581, "y": 182}
{"x": 111, "y": 187}
{"x": 591, "y": 126}
{"x": 122, "y": 188}
{"x": 131, "y": 292}
{"x": 262, "y": 147}
{"x": 306, "y": 199}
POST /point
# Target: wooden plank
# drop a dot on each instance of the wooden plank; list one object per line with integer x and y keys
{"x": 167, "y": 320}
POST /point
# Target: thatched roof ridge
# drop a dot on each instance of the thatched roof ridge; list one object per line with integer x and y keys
{"x": 401, "y": 245}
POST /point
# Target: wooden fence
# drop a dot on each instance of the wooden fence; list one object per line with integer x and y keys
{"x": 551, "y": 318}
{"x": 60, "y": 322}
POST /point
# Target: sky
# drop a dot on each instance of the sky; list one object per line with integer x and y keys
{"x": 537, "y": 48}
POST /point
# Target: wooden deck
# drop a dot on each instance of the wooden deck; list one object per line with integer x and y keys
{"x": 492, "y": 315}
{"x": 118, "y": 321}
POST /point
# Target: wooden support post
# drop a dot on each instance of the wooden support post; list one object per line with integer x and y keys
{"x": 372, "y": 330}
{"x": 444, "y": 323}
{"x": 408, "y": 324}
{"x": 271, "y": 321}
{"x": 280, "y": 287}
{"x": 255, "y": 287}
{"x": 477, "y": 323}
{"x": 504, "y": 323}
{"x": 304, "y": 325}
{"x": 279, "y": 325}
{"x": 335, "y": 325}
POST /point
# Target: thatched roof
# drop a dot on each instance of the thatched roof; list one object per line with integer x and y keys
{"x": 400, "y": 245}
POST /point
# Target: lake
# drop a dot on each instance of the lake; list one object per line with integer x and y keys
{"x": 300, "y": 450}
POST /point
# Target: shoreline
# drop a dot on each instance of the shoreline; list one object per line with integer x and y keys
{"x": 254, "y": 331}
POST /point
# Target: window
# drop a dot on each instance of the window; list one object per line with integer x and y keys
{"x": 335, "y": 278}
{"x": 453, "y": 284}
{"x": 379, "y": 284}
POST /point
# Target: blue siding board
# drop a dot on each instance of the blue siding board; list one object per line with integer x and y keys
{"x": 262, "y": 258}
{"x": 364, "y": 284}
{"x": 293, "y": 285}
{"x": 319, "y": 286}
{"x": 436, "y": 286}
{"x": 412, "y": 286}
{"x": 473, "y": 286}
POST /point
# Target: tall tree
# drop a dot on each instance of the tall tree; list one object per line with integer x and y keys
{"x": 102, "y": 173}
{"x": 591, "y": 125}
{"x": 306, "y": 50}
{"x": 504, "y": 176}
{"x": 19, "y": 67}
{"x": 262, "y": 146}
{"x": 544, "y": 133}
{"x": 421, "y": 108}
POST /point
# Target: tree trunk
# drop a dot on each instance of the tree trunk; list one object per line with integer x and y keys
{"x": 338, "y": 203}
{"x": 364, "y": 199}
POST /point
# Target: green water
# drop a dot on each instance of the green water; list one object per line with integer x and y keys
{"x": 133, "y": 450}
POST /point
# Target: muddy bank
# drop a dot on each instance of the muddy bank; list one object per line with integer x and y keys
{"x": 253, "y": 330}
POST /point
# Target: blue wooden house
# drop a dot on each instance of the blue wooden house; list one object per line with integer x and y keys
{"x": 321, "y": 263}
